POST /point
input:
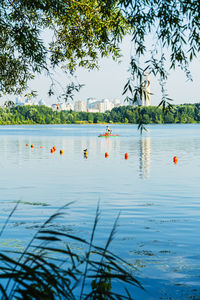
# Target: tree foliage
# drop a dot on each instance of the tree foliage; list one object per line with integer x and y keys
{"x": 78, "y": 34}
{"x": 165, "y": 35}
{"x": 187, "y": 113}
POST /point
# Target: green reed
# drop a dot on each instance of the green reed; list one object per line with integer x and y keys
{"x": 50, "y": 267}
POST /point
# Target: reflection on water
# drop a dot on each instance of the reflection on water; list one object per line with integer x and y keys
{"x": 145, "y": 157}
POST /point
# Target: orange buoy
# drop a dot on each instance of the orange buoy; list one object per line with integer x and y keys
{"x": 61, "y": 152}
{"x": 32, "y": 146}
{"x": 126, "y": 155}
{"x": 41, "y": 147}
{"x": 52, "y": 150}
{"x": 106, "y": 155}
{"x": 175, "y": 159}
{"x": 26, "y": 145}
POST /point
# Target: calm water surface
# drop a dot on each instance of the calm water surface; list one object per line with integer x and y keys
{"x": 159, "y": 201}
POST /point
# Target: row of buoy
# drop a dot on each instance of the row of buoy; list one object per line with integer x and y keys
{"x": 175, "y": 158}
{"x": 31, "y": 145}
{"x": 85, "y": 152}
{"x": 125, "y": 155}
{"x": 52, "y": 150}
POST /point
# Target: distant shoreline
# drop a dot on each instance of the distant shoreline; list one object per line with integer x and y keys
{"x": 42, "y": 115}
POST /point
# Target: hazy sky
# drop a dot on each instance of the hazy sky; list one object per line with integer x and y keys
{"x": 108, "y": 82}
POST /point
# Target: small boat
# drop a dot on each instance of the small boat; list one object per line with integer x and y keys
{"x": 108, "y": 135}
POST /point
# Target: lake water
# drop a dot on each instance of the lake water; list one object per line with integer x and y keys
{"x": 158, "y": 201}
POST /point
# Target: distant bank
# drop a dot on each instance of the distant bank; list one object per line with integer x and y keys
{"x": 186, "y": 113}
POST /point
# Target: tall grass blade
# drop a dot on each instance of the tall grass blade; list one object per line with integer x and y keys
{"x": 8, "y": 218}
{"x": 89, "y": 250}
{"x": 55, "y": 215}
{"x": 52, "y": 269}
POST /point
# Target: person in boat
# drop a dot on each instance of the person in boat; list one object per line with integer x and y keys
{"x": 108, "y": 130}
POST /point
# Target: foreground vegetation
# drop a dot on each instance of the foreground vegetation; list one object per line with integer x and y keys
{"x": 64, "y": 266}
{"x": 186, "y": 113}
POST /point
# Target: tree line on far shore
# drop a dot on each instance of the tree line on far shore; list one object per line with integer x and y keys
{"x": 185, "y": 113}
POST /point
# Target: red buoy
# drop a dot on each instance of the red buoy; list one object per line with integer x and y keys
{"x": 175, "y": 159}
{"x": 126, "y": 155}
{"x": 106, "y": 155}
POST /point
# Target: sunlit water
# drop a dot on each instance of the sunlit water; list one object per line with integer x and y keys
{"x": 158, "y": 201}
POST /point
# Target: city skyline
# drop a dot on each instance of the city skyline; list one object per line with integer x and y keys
{"x": 87, "y": 105}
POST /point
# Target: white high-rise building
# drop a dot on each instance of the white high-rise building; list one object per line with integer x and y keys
{"x": 100, "y": 107}
{"x": 19, "y": 101}
{"x": 146, "y": 95}
{"x": 93, "y": 110}
{"x": 108, "y": 105}
{"x": 117, "y": 102}
{"x": 90, "y": 102}
{"x": 94, "y": 105}
{"x": 80, "y": 106}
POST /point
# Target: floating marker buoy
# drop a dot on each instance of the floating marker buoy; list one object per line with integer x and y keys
{"x": 41, "y": 147}
{"x": 52, "y": 150}
{"x": 126, "y": 155}
{"x": 85, "y": 153}
{"x": 32, "y": 146}
{"x": 26, "y": 145}
{"x": 61, "y": 152}
{"x": 175, "y": 159}
{"x": 106, "y": 155}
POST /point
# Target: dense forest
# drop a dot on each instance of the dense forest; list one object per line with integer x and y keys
{"x": 186, "y": 113}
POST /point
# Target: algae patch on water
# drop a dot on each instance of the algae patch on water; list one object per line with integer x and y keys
{"x": 11, "y": 244}
{"x": 32, "y": 203}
